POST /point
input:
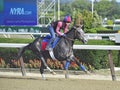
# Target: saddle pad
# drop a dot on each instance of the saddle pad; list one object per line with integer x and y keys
{"x": 44, "y": 44}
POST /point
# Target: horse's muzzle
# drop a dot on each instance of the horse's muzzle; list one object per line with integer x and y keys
{"x": 85, "y": 41}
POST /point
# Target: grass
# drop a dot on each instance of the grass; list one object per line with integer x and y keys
{"x": 97, "y": 42}
{"x": 90, "y": 42}
{"x": 15, "y": 40}
{"x": 106, "y": 72}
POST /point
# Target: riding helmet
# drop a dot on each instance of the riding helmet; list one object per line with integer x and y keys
{"x": 67, "y": 19}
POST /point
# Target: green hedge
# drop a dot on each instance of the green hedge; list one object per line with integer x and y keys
{"x": 15, "y": 40}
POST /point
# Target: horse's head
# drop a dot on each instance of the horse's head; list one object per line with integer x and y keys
{"x": 79, "y": 34}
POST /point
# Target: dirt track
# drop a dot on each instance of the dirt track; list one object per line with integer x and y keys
{"x": 90, "y": 76}
{"x": 33, "y": 81}
{"x": 83, "y": 76}
{"x": 36, "y": 83}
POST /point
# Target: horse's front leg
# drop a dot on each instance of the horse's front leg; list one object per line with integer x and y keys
{"x": 72, "y": 57}
{"x": 80, "y": 65}
{"x": 66, "y": 66}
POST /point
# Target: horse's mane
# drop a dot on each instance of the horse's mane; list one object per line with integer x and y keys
{"x": 71, "y": 31}
{"x": 73, "y": 28}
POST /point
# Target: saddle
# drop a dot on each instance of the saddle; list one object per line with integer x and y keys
{"x": 45, "y": 41}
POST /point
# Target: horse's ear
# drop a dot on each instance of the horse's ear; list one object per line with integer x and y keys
{"x": 76, "y": 27}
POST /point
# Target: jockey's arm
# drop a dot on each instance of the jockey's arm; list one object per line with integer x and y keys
{"x": 66, "y": 28}
{"x": 58, "y": 28}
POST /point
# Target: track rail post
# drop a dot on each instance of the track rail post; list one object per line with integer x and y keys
{"x": 111, "y": 65}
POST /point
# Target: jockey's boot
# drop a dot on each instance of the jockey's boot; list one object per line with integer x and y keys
{"x": 55, "y": 42}
{"x": 49, "y": 47}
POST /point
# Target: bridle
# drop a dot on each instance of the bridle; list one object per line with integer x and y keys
{"x": 74, "y": 34}
{"x": 69, "y": 39}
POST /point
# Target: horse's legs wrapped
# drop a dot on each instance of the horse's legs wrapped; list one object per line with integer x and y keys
{"x": 66, "y": 68}
{"x": 82, "y": 67}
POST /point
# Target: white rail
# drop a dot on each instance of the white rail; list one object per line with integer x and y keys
{"x": 90, "y": 47}
{"x": 23, "y": 33}
{"x": 87, "y": 34}
{"x": 108, "y": 36}
{"x": 97, "y": 47}
{"x": 12, "y": 45}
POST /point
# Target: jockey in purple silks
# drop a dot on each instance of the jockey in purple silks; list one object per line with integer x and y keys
{"x": 55, "y": 28}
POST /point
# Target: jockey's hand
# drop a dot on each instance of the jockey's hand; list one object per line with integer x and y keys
{"x": 64, "y": 35}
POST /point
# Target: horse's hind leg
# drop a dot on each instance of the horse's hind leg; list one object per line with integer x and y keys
{"x": 22, "y": 50}
{"x": 42, "y": 70}
{"x": 43, "y": 60}
{"x": 44, "y": 65}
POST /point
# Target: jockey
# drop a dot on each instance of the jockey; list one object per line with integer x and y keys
{"x": 55, "y": 27}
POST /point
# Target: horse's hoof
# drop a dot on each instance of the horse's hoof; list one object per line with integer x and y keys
{"x": 66, "y": 76}
{"x": 87, "y": 72}
{"x": 43, "y": 77}
{"x": 53, "y": 73}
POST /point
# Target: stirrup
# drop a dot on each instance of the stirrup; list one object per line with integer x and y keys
{"x": 49, "y": 48}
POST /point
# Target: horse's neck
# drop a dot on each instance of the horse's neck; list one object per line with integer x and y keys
{"x": 69, "y": 39}
{"x": 70, "y": 36}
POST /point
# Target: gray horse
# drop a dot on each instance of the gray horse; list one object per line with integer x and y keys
{"x": 63, "y": 51}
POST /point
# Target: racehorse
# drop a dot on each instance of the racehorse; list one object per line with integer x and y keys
{"x": 63, "y": 51}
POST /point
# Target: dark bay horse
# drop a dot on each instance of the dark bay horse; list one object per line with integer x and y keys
{"x": 63, "y": 51}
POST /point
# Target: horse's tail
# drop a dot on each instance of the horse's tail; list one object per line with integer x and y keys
{"x": 22, "y": 50}
{"x": 28, "y": 47}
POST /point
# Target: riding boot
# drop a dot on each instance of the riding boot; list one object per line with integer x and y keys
{"x": 55, "y": 42}
{"x": 49, "y": 45}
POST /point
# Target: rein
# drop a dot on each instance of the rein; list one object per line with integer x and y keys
{"x": 71, "y": 38}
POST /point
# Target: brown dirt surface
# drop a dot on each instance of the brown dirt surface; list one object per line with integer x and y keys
{"x": 94, "y": 81}
{"x": 32, "y": 83}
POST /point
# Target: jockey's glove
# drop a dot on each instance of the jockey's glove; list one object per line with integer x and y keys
{"x": 64, "y": 35}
